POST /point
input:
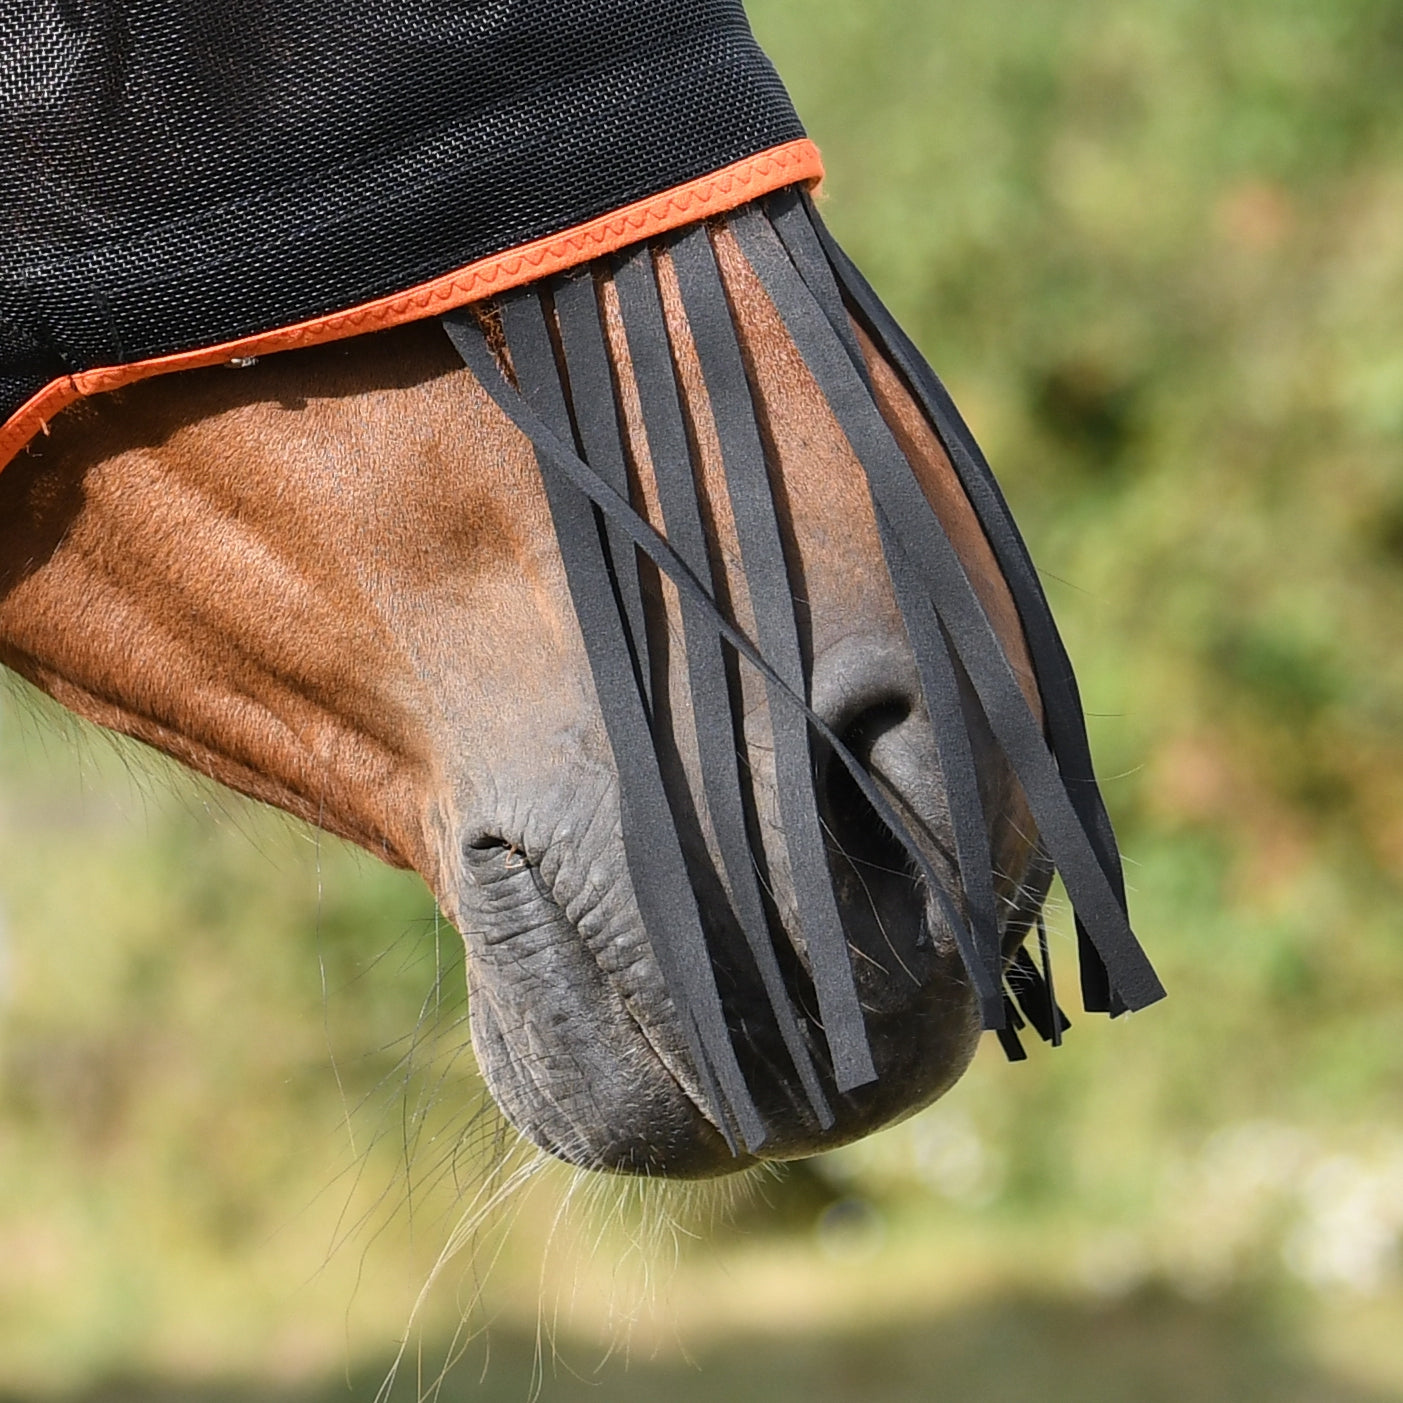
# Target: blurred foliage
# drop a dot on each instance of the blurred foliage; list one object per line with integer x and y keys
{"x": 1156, "y": 250}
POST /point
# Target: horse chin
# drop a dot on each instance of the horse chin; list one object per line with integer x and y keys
{"x": 582, "y": 1049}
{"x": 573, "y": 1031}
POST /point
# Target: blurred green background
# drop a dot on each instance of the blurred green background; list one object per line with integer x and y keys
{"x": 1156, "y": 249}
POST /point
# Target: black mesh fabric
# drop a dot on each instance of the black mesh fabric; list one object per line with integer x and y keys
{"x": 175, "y": 175}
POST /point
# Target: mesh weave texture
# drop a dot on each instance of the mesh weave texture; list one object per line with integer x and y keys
{"x": 175, "y": 175}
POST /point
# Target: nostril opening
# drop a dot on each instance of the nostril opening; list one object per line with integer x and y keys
{"x": 872, "y": 723}
{"x": 879, "y": 890}
{"x": 855, "y": 829}
{"x": 488, "y": 842}
{"x": 492, "y": 854}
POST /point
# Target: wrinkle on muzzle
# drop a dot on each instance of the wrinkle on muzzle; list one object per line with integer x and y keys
{"x": 571, "y": 1065}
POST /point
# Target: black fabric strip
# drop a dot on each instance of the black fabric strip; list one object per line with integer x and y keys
{"x": 979, "y": 647}
{"x": 940, "y": 688}
{"x": 979, "y": 941}
{"x": 772, "y": 600}
{"x": 821, "y": 261}
{"x": 929, "y": 643}
{"x": 717, "y": 729}
{"x": 899, "y": 497}
{"x": 1009, "y": 1040}
{"x": 594, "y": 405}
{"x": 651, "y": 355}
{"x": 793, "y": 217}
{"x": 1056, "y": 680}
{"x": 1034, "y": 997}
{"x": 1062, "y": 1022}
{"x": 789, "y": 212}
{"x": 654, "y": 854}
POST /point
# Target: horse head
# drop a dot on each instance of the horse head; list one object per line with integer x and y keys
{"x": 333, "y": 580}
{"x": 654, "y": 603}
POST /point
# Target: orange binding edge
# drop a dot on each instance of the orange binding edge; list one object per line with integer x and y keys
{"x": 722, "y": 190}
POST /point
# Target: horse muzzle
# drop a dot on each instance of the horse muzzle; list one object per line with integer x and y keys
{"x": 576, "y": 1031}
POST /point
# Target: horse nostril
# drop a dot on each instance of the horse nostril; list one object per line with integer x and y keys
{"x": 875, "y": 880}
{"x": 854, "y": 828}
{"x": 489, "y": 859}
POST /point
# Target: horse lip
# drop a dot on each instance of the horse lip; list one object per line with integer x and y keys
{"x": 626, "y": 1044}
{"x": 920, "y": 977}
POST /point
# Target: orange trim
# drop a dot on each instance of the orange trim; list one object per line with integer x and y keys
{"x": 722, "y": 190}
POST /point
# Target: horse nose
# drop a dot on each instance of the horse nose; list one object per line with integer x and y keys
{"x": 920, "y": 1018}
{"x": 867, "y": 692}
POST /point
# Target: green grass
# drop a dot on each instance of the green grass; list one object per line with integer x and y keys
{"x": 1154, "y": 249}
